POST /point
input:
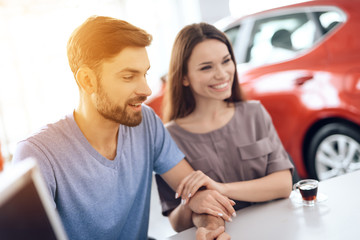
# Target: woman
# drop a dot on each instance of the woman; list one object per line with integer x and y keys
{"x": 231, "y": 141}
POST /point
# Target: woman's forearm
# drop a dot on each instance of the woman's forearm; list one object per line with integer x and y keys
{"x": 273, "y": 186}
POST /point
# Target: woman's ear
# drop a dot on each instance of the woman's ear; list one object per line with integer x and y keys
{"x": 86, "y": 79}
{"x": 186, "y": 81}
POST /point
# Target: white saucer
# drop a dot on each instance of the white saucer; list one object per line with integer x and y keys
{"x": 295, "y": 196}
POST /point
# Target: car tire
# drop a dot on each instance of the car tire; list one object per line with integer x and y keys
{"x": 334, "y": 150}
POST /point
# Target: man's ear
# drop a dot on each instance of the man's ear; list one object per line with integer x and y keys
{"x": 186, "y": 81}
{"x": 86, "y": 79}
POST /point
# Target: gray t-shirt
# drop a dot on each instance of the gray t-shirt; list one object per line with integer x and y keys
{"x": 95, "y": 197}
{"x": 246, "y": 148}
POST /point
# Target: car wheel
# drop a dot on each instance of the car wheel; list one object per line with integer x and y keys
{"x": 334, "y": 150}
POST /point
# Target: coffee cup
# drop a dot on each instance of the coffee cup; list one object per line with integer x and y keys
{"x": 308, "y": 189}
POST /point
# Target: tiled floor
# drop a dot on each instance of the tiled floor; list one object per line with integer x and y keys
{"x": 159, "y": 226}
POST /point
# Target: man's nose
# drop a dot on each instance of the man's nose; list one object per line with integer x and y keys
{"x": 144, "y": 89}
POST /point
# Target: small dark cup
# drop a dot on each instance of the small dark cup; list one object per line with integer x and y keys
{"x": 308, "y": 189}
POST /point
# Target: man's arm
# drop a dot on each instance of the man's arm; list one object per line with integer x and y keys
{"x": 209, "y": 227}
{"x": 180, "y": 217}
{"x": 209, "y": 202}
{"x": 207, "y": 221}
{"x": 174, "y": 176}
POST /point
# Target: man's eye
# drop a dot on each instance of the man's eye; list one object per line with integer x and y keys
{"x": 128, "y": 77}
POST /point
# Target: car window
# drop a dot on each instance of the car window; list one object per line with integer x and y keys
{"x": 329, "y": 20}
{"x": 232, "y": 33}
{"x": 280, "y": 38}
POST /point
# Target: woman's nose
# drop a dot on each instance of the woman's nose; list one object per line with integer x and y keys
{"x": 220, "y": 72}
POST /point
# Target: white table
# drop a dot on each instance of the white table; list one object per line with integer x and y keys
{"x": 338, "y": 217}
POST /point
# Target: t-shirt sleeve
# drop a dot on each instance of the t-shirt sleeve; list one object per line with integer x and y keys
{"x": 167, "y": 154}
{"x": 29, "y": 149}
{"x": 278, "y": 159}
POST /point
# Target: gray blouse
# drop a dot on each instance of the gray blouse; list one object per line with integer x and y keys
{"x": 246, "y": 148}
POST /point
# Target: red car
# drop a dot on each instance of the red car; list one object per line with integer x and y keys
{"x": 302, "y": 62}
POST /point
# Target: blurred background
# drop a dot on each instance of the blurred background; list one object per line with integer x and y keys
{"x": 36, "y": 83}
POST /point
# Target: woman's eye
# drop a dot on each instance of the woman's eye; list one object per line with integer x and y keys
{"x": 227, "y": 60}
{"x": 205, "y": 68}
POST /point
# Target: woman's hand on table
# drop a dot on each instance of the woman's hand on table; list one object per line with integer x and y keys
{"x": 193, "y": 182}
{"x": 213, "y": 203}
{"x": 209, "y": 201}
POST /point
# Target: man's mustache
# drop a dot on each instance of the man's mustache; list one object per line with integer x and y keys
{"x": 137, "y": 99}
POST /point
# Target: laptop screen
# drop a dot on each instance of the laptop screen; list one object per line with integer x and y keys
{"x": 26, "y": 211}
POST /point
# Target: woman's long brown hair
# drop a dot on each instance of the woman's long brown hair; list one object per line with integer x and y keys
{"x": 179, "y": 100}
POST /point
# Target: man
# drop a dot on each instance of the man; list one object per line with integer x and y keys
{"x": 98, "y": 161}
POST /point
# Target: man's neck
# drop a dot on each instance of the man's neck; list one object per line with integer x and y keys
{"x": 101, "y": 133}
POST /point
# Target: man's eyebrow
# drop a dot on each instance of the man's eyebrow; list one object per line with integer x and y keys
{"x": 132, "y": 70}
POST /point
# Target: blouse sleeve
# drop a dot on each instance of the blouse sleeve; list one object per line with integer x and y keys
{"x": 278, "y": 159}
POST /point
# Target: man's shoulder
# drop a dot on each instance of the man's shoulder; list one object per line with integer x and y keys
{"x": 149, "y": 116}
{"x": 147, "y": 111}
{"x": 51, "y": 131}
{"x": 53, "y": 137}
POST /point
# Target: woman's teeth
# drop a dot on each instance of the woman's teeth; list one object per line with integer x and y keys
{"x": 220, "y": 86}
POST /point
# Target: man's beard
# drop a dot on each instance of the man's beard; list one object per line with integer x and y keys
{"x": 116, "y": 113}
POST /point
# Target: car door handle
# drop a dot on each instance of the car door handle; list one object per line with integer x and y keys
{"x": 301, "y": 80}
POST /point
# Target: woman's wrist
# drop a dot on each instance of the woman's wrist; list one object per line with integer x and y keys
{"x": 222, "y": 188}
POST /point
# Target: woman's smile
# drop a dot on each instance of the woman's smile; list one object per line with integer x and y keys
{"x": 221, "y": 86}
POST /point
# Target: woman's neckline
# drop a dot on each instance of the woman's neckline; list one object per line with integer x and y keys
{"x": 196, "y": 130}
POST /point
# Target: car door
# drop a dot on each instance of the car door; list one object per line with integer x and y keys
{"x": 279, "y": 55}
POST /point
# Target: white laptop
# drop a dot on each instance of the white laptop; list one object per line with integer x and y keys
{"x": 26, "y": 209}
